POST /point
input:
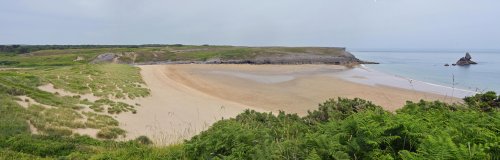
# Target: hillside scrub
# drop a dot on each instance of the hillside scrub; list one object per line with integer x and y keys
{"x": 339, "y": 129}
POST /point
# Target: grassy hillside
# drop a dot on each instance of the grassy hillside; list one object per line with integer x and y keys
{"x": 172, "y": 53}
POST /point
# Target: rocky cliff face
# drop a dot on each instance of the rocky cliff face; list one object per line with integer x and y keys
{"x": 465, "y": 60}
{"x": 345, "y": 59}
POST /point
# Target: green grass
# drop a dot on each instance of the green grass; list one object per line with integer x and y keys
{"x": 66, "y": 57}
{"x": 12, "y": 117}
{"x": 34, "y": 61}
{"x": 246, "y": 53}
{"x": 229, "y": 53}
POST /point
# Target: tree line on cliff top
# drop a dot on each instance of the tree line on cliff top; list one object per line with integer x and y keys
{"x": 21, "y": 49}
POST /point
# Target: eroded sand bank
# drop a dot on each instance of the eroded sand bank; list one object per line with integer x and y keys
{"x": 186, "y": 99}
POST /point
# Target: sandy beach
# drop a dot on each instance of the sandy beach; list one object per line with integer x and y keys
{"x": 187, "y": 99}
{"x": 174, "y": 111}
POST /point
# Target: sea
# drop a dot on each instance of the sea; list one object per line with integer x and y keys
{"x": 430, "y": 67}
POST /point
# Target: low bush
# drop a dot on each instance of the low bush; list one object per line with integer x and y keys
{"x": 357, "y": 129}
{"x": 144, "y": 140}
{"x": 110, "y": 133}
{"x": 487, "y": 102}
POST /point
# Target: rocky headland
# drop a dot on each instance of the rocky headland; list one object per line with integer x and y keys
{"x": 240, "y": 55}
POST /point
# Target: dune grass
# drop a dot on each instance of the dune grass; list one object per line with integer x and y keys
{"x": 95, "y": 120}
{"x": 110, "y": 133}
{"x": 46, "y": 119}
{"x": 112, "y": 107}
{"x": 101, "y": 80}
{"x": 56, "y": 114}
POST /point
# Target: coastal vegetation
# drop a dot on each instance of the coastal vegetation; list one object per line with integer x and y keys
{"x": 67, "y": 108}
{"x": 101, "y": 80}
{"x": 339, "y": 129}
{"x": 36, "y": 123}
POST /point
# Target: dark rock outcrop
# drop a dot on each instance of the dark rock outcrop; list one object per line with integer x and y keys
{"x": 465, "y": 60}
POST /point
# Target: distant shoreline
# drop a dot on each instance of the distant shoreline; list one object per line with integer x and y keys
{"x": 375, "y": 77}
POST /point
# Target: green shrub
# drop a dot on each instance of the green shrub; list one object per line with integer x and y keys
{"x": 486, "y": 102}
{"x": 39, "y": 147}
{"x": 110, "y": 133}
{"x": 355, "y": 129}
{"x": 340, "y": 109}
{"x": 8, "y": 155}
{"x": 144, "y": 140}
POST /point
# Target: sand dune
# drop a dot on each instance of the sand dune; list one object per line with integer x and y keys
{"x": 186, "y": 99}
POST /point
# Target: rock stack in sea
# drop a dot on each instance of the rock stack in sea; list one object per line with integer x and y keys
{"x": 465, "y": 60}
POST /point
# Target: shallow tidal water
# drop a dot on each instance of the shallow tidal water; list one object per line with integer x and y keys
{"x": 429, "y": 67}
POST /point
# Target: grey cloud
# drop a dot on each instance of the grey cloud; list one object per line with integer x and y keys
{"x": 353, "y": 23}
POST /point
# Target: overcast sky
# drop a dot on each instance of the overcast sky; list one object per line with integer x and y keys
{"x": 428, "y": 24}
